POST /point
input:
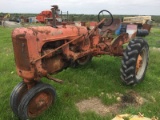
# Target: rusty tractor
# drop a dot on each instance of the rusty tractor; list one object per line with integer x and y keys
{"x": 45, "y": 50}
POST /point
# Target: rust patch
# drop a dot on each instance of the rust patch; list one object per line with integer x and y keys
{"x": 39, "y": 103}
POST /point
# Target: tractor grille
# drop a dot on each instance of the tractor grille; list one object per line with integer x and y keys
{"x": 21, "y": 52}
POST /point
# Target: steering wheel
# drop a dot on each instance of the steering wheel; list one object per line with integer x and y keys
{"x": 101, "y": 16}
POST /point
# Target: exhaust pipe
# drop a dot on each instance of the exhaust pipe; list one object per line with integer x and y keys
{"x": 54, "y": 9}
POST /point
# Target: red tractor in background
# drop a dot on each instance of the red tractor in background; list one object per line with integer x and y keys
{"x": 45, "y": 50}
{"x": 46, "y": 15}
{"x": 43, "y": 16}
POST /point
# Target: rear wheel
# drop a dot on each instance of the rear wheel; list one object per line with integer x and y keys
{"x": 36, "y": 101}
{"x": 135, "y": 61}
{"x": 84, "y": 60}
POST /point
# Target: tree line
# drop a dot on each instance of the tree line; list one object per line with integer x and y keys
{"x": 79, "y": 17}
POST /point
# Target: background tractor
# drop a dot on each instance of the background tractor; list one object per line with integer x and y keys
{"x": 45, "y": 50}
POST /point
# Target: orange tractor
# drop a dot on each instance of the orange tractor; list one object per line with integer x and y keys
{"x": 45, "y": 50}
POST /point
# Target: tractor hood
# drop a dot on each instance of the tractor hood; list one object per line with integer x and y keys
{"x": 47, "y": 32}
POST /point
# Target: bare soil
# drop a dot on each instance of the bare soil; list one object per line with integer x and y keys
{"x": 123, "y": 101}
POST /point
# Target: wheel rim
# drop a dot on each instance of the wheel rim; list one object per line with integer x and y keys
{"x": 39, "y": 103}
{"x": 141, "y": 63}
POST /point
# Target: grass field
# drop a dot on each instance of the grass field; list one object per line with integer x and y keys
{"x": 99, "y": 79}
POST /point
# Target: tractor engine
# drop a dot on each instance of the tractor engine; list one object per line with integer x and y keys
{"x": 56, "y": 61}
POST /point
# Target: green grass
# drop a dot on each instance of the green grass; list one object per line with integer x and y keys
{"x": 154, "y": 37}
{"x": 99, "y": 76}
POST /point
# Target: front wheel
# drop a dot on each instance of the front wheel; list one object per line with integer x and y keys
{"x": 36, "y": 101}
{"x": 17, "y": 94}
{"x": 135, "y": 61}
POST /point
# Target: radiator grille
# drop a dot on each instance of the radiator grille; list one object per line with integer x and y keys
{"x": 21, "y": 52}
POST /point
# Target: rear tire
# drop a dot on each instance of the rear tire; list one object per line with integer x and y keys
{"x": 134, "y": 62}
{"x": 84, "y": 60}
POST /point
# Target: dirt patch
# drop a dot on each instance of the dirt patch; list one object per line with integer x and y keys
{"x": 156, "y": 49}
{"x": 95, "y": 104}
{"x": 132, "y": 97}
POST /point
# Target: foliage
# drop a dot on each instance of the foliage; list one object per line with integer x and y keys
{"x": 78, "y": 17}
